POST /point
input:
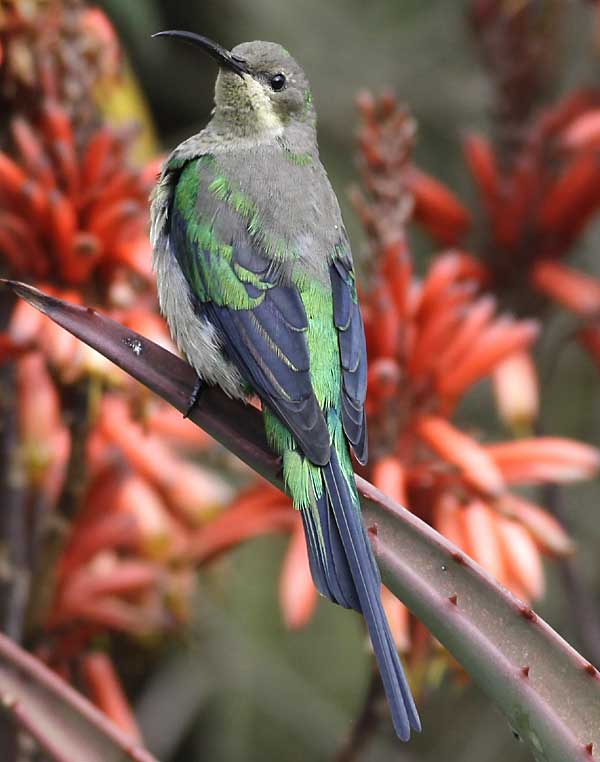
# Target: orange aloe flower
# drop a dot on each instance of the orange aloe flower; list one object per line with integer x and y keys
{"x": 534, "y": 209}
{"x": 71, "y": 212}
{"x": 74, "y": 220}
{"x": 129, "y": 564}
{"x": 536, "y": 195}
{"x": 108, "y": 693}
{"x": 429, "y": 341}
{"x": 33, "y": 38}
{"x": 516, "y": 392}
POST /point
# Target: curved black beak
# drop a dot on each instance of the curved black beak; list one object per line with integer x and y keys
{"x": 221, "y": 55}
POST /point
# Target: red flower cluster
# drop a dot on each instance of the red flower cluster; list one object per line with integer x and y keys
{"x": 128, "y": 565}
{"x": 429, "y": 341}
{"x": 74, "y": 219}
{"x": 71, "y": 213}
{"x": 62, "y": 49}
{"x": 535, "y": 210}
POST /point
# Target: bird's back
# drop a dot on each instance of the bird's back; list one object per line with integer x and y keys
{"x": 283, "y": 198}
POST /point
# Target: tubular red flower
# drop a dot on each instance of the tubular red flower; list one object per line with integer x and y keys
{"x": 82, "y": 209}
{"x": 388, "y": 476}
{"x": 107, "y": 692}
{"x": 521, "y": 558}
{"x": 437, "y": 208}
{"x": 583, "y": 132}
{"x": 579, "y": 179}
{"x": 544, "y": 459}
{"x": 447, "y": 518}
{"x": 498, "y": 342}
{"x": 446, "y": 273}
{"x": 397, "y": 271}
{"x": 577, "y": 292}
{"x": 111, "y": 532}
{"x": 297, "y": 593}
{"x": 516, "y": 391}
{"x": 471, "y": 327}
{"x": 482, "y": 540}
{"x": 193, "y": 491}
{"x": 482, "y": 164}
{"x": 475, "y": 464}
{"x": 544, "y": 528}
{"x": 261, "y": 510}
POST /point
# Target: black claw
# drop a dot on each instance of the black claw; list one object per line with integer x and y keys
{"x": 194, "y": 397}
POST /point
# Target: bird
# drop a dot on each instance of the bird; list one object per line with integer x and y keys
{"x": 256, "y": 281}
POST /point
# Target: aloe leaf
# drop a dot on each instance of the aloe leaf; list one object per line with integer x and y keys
{"x": 62, "y": 721}
{"x": 548, "y": 692}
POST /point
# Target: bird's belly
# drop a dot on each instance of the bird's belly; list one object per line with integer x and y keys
{"x": 195, "y": 336}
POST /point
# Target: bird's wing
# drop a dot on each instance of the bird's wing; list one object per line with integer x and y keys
{"x": 262, "y": 324}
{"x": 353, "y": 352}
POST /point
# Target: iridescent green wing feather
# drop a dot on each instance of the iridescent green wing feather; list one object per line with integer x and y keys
{"x": 228, "y": 263}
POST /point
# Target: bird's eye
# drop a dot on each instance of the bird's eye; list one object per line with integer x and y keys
{"x": 278, "y": 82}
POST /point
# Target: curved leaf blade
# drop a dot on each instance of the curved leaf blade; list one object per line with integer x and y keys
{"x": 549, "y": 693}
{"x": 61, "y": 720}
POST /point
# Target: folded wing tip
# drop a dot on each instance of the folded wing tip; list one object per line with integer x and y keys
{"x": 317, "y": 453}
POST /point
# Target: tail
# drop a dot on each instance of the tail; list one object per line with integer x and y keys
{"x": 344, "y": 570}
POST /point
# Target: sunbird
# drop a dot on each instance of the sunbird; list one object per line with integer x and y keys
{"x": 256, "y": 281}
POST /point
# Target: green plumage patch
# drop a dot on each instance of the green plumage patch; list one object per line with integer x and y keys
{"x": 223, "y": 190}
{"x": 302, "y": 478}
{"x": 308, "y": 107}
{"x": 325, "y": 371}
{"x": 217, "y": 277}
{"x": 212, "y": 271}
{"x": 298, "y": 159}
{"x": 308, "y": 101}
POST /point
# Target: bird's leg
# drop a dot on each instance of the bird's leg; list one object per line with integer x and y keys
{"x": 194, "y": 396}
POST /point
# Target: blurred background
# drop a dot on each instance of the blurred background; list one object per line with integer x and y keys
{"x": 290, "y": 696}
{"x": 424, "y": 52}
{"x": 236, "y": 683}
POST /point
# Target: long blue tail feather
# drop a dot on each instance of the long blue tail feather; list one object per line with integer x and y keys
{"x": 345, "y": 571}
{"x": 328, "y": 562}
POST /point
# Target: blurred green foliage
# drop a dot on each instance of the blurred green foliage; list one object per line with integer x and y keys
{"x": 243, "y": 688}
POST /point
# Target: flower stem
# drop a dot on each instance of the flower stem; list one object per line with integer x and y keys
{"x": 366, "y": 724}
{"x": 56, "y": 526}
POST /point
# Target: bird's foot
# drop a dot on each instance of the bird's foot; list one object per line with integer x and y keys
{"x": 194, "y": 397}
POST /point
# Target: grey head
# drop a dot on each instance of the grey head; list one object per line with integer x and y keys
{"x": 260, "y": 89}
